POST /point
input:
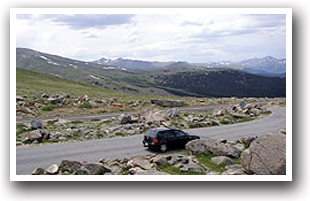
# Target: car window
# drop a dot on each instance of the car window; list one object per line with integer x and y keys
{"x": 180, "y": 134}
{"x": 169, "y": 134}
{"x": 151, "y": 133}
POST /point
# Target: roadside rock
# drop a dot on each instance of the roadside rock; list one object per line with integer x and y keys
{"x": 154, "y": 117}
{"x": 138, "y": 161}
{"x": 266, "y": 155}
{"x": 38, "y": 171}
{"x": 242, "y": 103}
{"x": 54, "y": 100}
{"x": 19, "y": 98}
{"x": 124, "y": 119}
{"x": 222, "y": 160}
{"x": 53, "y": 169}
{"x": 210, "y": 146}
{"x": 159, "y": 160}
{"x": 45, "y": 95}
{"x": 78, "y": 168}
{"x": 36, "y": 135}
{"x": 35, "y": 124}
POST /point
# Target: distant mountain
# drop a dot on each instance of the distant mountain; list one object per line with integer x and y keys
{"x": 266, "y": 66}
{"x": 162, "y": 78}
{"x": 132, "y": 64}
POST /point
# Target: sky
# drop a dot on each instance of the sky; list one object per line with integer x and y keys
{"x": 194, "y": 38}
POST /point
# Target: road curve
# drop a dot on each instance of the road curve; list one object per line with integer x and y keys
{"x": 30, "y": 157}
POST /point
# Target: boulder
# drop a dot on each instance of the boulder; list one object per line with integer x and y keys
{"x": 172, "y": 113}
{"x": 139, "y": 161}
{"x": 155, "y": 117}
{"x": 247, "y": 141}
{"x": 282, "y": 131}
{"x": 255, "y": 111}
{"x": 222, "y": 160}
{"x": 19, "y": 98}
{"x": 266, "y": 155}
{"x": 96, "y": 168}
{"x": 54, "y": 100}
{"x": 69, "y": 167}
{"x": 124, "y": 119}
{"x": 210, "y": 146}
{"x": 159, "y": 160}
{"x": 35, "y": 135}
{"x": 82, "y": 168}
{"x": 242, "y": 103}
{"x": 35, "y": 124}
{"x": 45, "y": 95}
{"x": 190, "y": 167}
{"x": 38, "y": 171}
{"x": 53, "y": 169}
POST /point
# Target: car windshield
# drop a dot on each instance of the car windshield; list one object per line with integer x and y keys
{"x": 151, "y": 133}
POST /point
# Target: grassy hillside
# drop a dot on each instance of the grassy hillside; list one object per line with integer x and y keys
{"x": 177, "y": 79}
{"x": 29, "y": 82}
{"x": 221, "y": 83}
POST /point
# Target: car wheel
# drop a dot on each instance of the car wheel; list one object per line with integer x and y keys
{"x": 163, "y": 147}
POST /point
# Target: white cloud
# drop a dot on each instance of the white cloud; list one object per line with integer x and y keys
{"x": 191, "y": 37}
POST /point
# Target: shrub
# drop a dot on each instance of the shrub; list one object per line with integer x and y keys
{"x": 85, "y": 106}
{"x": 48, "y": 107}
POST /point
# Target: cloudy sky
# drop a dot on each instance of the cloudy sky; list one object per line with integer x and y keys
{"x": 154, "y": 37}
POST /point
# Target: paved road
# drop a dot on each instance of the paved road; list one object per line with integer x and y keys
{"x": 29, "y": 158}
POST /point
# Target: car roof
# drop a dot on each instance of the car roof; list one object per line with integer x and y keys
{"x": 162, "y": 129}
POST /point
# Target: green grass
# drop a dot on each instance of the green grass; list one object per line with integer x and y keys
{"x": 48, "y": 107}
{"x": 85, "y": 106}
{"x": 20, "y": 129}
{"x": 35, "y": 84}
{"x": 29, "y": 82}
{"x": 205, "y": 161}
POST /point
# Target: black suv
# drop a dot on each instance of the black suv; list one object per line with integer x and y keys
{"x": 166, "y": 138}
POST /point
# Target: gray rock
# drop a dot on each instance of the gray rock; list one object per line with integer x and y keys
{"x": 222, "y": 160}
{"x": 247, "y": 141}
{"x": 255, "y": 111}
{"x": 69, "y": 167}
{"x": 54, "y": 100}
{"x": 159, "y": 160}
{"x": 172, "y": 113}
{"x": 210, "y": 146}
{"x": 139, "y": 161}
{"x": 124, "y": 119}
{"x": 38, "y": 171}
{"x": 190, "y": 167}
{"x": 35, "y": 135}
{"x": 35, "y": 124}
{"x": 242, "y": 103}
{"x": 266, "y": 155}
{"x": 45, "y": 95}
{"x": 96, "y": 168}
{"x": 19, "y": 98}
{"x": 53, "y": 169}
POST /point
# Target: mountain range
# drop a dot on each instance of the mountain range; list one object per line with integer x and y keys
{"x": 266, "y": 66}
{"x": 223, "y": 79}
